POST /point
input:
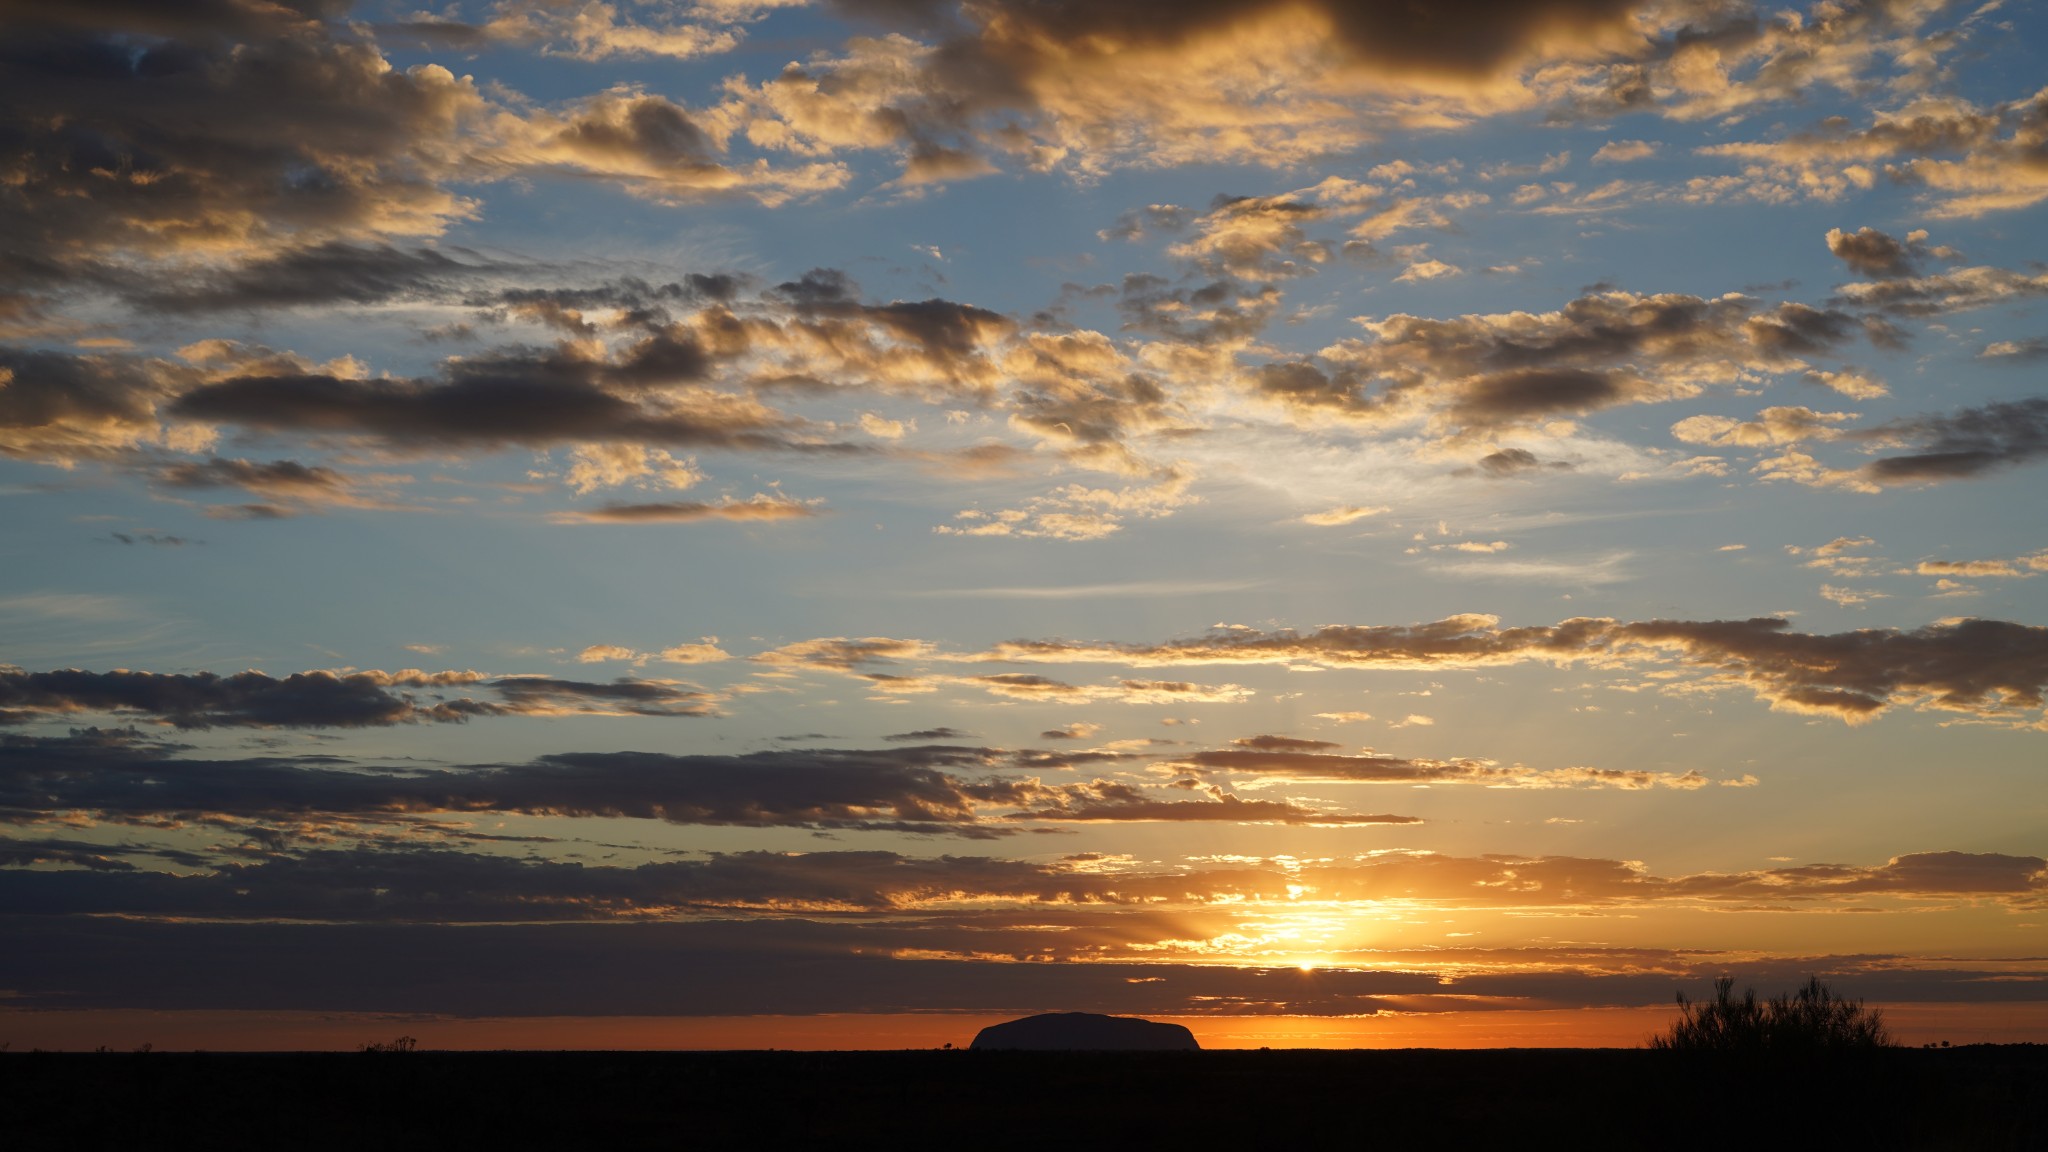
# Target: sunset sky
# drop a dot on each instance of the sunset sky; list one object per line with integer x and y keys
{"x": 542, "y": 523}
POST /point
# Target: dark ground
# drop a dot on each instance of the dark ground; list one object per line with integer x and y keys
{"x": 1976, "y": 1097}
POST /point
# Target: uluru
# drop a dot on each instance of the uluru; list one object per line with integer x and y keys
{"x": 1084, "y": 1031}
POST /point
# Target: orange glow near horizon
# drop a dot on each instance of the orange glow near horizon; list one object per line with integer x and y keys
{"x": 22, "y": 1031}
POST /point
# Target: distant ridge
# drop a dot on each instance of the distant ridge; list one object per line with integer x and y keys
{"x": 1085, "y": 1031}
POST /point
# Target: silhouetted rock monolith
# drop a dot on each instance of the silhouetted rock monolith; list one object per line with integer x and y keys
{"x": 1086, "y": 1031}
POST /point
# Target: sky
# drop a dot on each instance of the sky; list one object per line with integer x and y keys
{"x": 564, "y": 523}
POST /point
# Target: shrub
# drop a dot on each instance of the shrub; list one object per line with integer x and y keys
{"x": 1813, "y": 1018}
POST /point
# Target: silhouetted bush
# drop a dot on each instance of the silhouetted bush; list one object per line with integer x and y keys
{"x": 1811, "y": 1019}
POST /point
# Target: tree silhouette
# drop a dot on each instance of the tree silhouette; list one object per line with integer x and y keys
{"x": 1810, "y": 1019}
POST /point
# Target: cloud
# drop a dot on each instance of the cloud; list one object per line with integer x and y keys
{"x": 1428, "y": 270}
{"x": 486, "y": 403}
{"x": 1076, "y": 512}
{"x": 906, "y": 789}
{"x": 1510, "y": 462}
{"x": 1253, "y": 237}
{"x": 1783, "y": 425}
{"x": 919, "y": 789}
{"x": 1956, "y": 290}
{"x": 551, "y": 696}
{"x": 1087, "y": 88}
{"x": 595, "y": 466}
{"x": 755, "y": 509}
{"x": 1851, "y": 384}
{"x": 1990, "y": 669}
{"x": 767, "y": 965}
{"x": 926, "y": 735}
{"x": 647, "y": 144}
{"x": 1963, "y": 444}
{"x": 1139, "y": 223}
{"x": 1478, "y": 373}
{"x": 322, "y": 699}
{"x": 58, "y": 407}
{"x": 2018, "y": 350}
{"x": 635, "y": 373}
{"x": 190, "y": 142}
{"x": 1626, "y": 151}
{"x": 1341, "y": 515}
{"x": 1869, "y": 252}
{"x": 1025, "y": 686}
{"x": 930, "y": 898}
{"x": 1274, "y": 758}
{"x": 1993, "y": 174}
{"x": 322, "y": 274}
{"x": 1107, "y": 801}
{"x": 591, "y": 30}
{"x": 286, "y": 487}
{"x": 843, "y": 654}
{"x": 704, "y": 651}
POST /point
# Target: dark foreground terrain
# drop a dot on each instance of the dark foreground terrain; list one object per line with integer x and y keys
{"x": 1978, "y": 1097}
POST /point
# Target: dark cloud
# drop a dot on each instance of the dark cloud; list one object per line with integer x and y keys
{"x": 184, "y": 140}
{"x": 1988, "y": 668}
{"x": 1956, "y": 290}
{"x": 1270, "y": 743}
{"x": 1794, "y": 329}
{"x": 440, "y": 885}
{"x": 274, "y": 477}
{"x": 152, "y": 539}
{"x": 327, "y": 699}
{"x": 1105, "y": 801}
{"x": 1511, "y": 462}
{"x": 759, "y": 508}
{"x": 1869, "y": 252}
{"x": 526, "y": 399}
{"x": 330, "y": 273}
{"x": 637, "y": 363}
{"x": 903, "y": 789}
{"x": 642, "y": 142}
{"x": 943, "y": 329}
{"x": 931, "y": 789}
{"x": 1467, "y": 38}
{"x": 1282, "y": 758}
{"x": 193, "y": 18}
{"x": 936, "y": 932}
{"x": 1138, "y": 223}
{"x": 1966, "y": 443}
{"x": 82, "y": 854}
{"x": 1508, "y": 397}
{"x": 422, "y": 884}
{"x": 932, "y": 734}
{"x": 548, "y": 695}
{"x": 1220, "y": 311}
{"x": 55, "y": 405}
{"x": 245, "y": 699}
{"x": 1481, "y": 372}
{"x": 1091, "y": 85}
